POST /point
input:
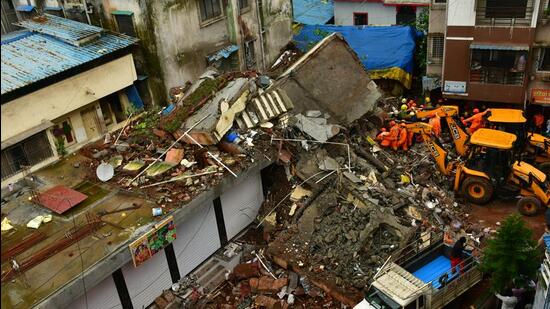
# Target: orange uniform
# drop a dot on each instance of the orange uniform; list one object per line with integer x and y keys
{"x": 383, "y": 139}
{"x": 403, "y": 139}
{"x": 539, "y": 120}
{"x": 477, "y": 122}
{"x": 394, "y": 136}
{"x": 435, "y": 122}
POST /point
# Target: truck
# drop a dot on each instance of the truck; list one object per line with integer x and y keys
{"x": 420, "y": 277}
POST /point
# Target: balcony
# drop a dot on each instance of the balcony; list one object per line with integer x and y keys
{"x": 507, "y": 13}
{"x": 504, "y": 66}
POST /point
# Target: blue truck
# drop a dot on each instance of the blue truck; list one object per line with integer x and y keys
{"x": 420, "y": 277}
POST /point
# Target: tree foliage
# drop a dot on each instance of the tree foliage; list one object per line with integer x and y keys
{"x": 422, "y": 42}
{"x": 511, "y": 255}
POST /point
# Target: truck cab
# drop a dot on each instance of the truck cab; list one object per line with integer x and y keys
{"x": 421, "y": 278}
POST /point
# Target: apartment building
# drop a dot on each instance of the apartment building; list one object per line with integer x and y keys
{"x": 489, "y": 49}
{"x": 378, "y": 12}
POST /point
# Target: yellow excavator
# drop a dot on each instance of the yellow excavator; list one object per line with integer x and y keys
{"x": 489, "y": 167}
{"x": 448, "y": 112}
{"x": 533, "y": 148}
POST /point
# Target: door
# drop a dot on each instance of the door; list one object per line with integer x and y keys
{"x": 241, "y": 203}
{"x": 91, "y": 123}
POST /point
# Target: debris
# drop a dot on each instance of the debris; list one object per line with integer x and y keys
{"x": 133, "y": 166}
{"x": 105, "y": 171}
{"x": 174, "y": 156}
{"x": 157, "y": 212}
{"x": 159, "y": 168}
{"x": 298, "y": 193}
{"x": 292, "y": 209}
{"x": 317, "y": 128}
{"x": 35, "y": 222}
{"x": 245, "y": 271}
{"x": 6, "y": 224}
{"x": 187, "y": 163}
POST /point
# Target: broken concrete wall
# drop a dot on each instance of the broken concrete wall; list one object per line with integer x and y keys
{"x": 331, "y": 78}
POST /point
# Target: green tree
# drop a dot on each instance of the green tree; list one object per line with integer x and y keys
{"x": 511, "y": 255}
{"x": 421, "y": 24}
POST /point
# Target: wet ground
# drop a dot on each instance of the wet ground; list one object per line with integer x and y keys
{"x": 497, "y": 211}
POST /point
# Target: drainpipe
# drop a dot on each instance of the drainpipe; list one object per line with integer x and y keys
{"x": 261, "y": 31}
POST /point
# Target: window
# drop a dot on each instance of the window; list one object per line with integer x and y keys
{"x": 64, "y": 130}
{"x": 28, "y": 152}
{"x": 406, "y": 15}
{"x": 506, "y": 8}
{"x": 210, "y": 9}
{"x": 544, "y": 59}
{"x": 250, "y": 55}
{"x": 440, "y": 1}
{"x": 125, "y": 22}
{"x": 111, "y": 106}
{"x": 498, "y": 66}
{"x": 243, "y": 5}
{"x": 436, "y": 48}
{"x": 360, "y": 19}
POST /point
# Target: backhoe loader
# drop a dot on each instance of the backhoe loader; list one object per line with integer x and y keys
{"x": 533, "y": 148}
{"x": 448, "y": 112}
{"x": 490, "y": 167}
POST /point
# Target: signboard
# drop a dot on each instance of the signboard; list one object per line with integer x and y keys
{"x": 153, "y": 241}
{"x": 454, "y": 86}
{"x": 541, "y": 96}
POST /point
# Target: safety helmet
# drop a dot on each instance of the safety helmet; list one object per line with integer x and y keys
{"x": 427, "y": 99}
{"x": 421, "y": 105}
{"x": 392, "y": 123}
{"x": 411, "y": 113}
{"x": 404, "y": 107}
{"x": 402, "y": 124}
{"x": 476, "y": 110}
{"x": 403, "y": 100}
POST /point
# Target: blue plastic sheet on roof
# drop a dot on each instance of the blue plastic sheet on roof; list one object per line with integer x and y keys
{"x": 223, "y": 53}
{"x": 24, "y": 8}
{"x": 386, "y": 52}
{"x": 313, "y": 12}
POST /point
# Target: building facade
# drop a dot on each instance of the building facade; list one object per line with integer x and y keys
{"x": 55, "y": 94}
{"x": 489, "y": 49}
{"x": 180, "y": 39}
{"x": 378, "y": 12}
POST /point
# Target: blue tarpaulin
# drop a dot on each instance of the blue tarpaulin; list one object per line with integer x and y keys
{"x": 223, "y": 53}
{"x": 133, "y": 96}
{"x": 313, "y": 12}
{"x": 386, "y": 52}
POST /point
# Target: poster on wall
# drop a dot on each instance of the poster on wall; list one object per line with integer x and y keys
{"x": 143, "y": 248}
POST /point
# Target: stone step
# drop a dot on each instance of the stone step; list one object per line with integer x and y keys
{"x": 205, "y": 268}
{"x": 216, "y": 281}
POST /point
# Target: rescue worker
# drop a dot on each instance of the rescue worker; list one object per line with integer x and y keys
{"x": 435, "y": 122}
{"x": 476, "y": 121}
{"x": 403, "y": 112}
{"x": 538, "y": 120}
{"x": 394, "y": 134}
{"x": 403, "y": 137}
{"x": 383, "y": 138}
{"x": 428, "y": 103}
{"x": 457, "y": 255}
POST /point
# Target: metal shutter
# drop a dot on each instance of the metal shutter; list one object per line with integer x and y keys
{"x": 146, "y": 282}
{"x": 241, "y": 204}
{"x": 102, "y": 296}
{"x": 197, "y": 239}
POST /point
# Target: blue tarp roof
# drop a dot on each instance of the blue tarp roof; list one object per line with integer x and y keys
{"x": 377, "y": 47}
{"x": 61, "y": 28}
{"x": 32, "y": 56}
{"x": 313, "y": 12}
{"x": 223, "y": 53}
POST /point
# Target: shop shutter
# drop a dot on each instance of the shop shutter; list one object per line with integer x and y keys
{"x": 102, "y": 296}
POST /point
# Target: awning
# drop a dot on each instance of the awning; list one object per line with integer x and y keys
{"x": 498, "y": 47}
{"x": 223, "y": 53}
{"x": 28, "y": 133}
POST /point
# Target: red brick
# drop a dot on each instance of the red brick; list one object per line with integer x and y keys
{"x": 267, "y": 284}
{"x": 246, "y": 270}
{"x": 265, "y": 301}
{"x": 161, "y": 302}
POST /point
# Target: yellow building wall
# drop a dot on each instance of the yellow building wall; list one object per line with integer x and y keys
{"x": 66, "y": 96}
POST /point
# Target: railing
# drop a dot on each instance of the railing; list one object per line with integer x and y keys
{"x": 493, "y": 75}
{"x": 421, "y": 242}
{"x": 457, "y": 286}
{"x": 504, "y": 16}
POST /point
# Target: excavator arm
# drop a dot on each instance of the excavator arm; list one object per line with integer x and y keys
{"x": 438, "y": 153}
{"x": 448, "y": 112}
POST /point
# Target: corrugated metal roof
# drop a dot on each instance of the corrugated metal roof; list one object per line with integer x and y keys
{"x": 61, "y": 28}
{"x": 313, "y": 12}
{"x": 32, "y": 57}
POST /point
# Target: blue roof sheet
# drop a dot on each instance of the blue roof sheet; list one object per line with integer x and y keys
{"x": 24, "y": 8}
{"x": 31, "y": 57}
{"x": 61, "y": 28}
{"x": 313, "y": 12}
{"x": 547, "y": 241}
{"x": 377, "y": 47}
{"x": 223, "y": 53}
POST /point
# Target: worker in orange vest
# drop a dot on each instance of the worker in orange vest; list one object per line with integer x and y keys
{"x": 435, "y": 122}
{"x": 403, "y": 138}
{"x": 394, "y": 134}
{"x": 538, "y": 120}
{"x": 476, "y": 121}
{"x": 383, "y": 138}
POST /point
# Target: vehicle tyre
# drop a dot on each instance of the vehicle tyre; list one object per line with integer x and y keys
{"x": 545, "y": 168}
{"x": 528, "y": 205}
{"x": 477, "y": 190}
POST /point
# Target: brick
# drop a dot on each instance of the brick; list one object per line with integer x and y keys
{"x": 265, "y": 301}
{"x": 160, "y": 133}
{"x": 174, "y": 156}
{"x": 266, "y": 284}
{"x": 246, "y": 270}
{"x": 169, "y": 296}
{"x": 161, "y": 302}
